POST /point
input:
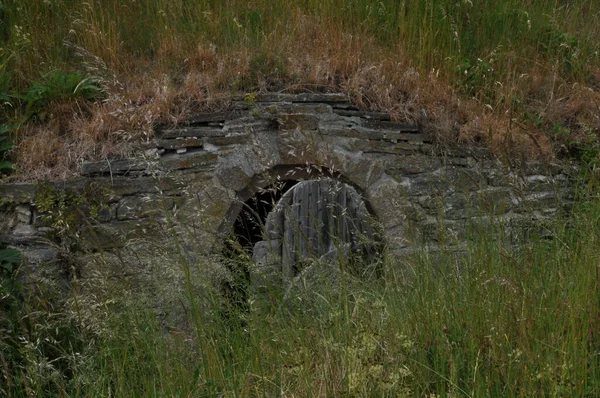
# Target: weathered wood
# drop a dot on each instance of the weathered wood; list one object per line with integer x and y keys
{"x": 315, "y": 219}
{"x": 288, "y": 257}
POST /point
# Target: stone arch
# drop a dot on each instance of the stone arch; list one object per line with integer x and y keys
{"x": 293, "y": 173}
{"x": 305, "y": 154}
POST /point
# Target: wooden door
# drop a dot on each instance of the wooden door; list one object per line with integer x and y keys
{"x": 315, "y": 220}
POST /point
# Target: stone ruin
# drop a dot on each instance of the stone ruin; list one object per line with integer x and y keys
{"x": 346, "y": 176}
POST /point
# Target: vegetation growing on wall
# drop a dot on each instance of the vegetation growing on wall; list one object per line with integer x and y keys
{"x": 6, "y": 166}
{"x": 66, "y": 212}
{"x": 502, "y": 73}
{"x": 81, "y": 80}
{"x": 488, "y": 322}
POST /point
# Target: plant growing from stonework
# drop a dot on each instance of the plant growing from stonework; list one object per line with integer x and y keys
{"x": 10, "y": 300}
{"x": 58, "y": 208}
{"x": 66, "y": 211}
{"x": 6, "y": 166}
{"x": 10, "y": 259}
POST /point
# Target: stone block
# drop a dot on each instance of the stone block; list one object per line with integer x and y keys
{"x": 24, "y": 230}
{"x": 397, "y": 237}
{"x": 353, "y": 130}
{"x": 117, "y": 187}
{"x": 249, "y": 125}
{"x": 463, "y": 179}
{"x": 179, "y": 143}
{"x": 384, "y": 197}
{"x": 17, "y": 193}
{"x": 539, "y": 201}
{"x": 276, "y": 109}
{"x": 428, "y": 184}
{"x": 411, "y": 164}
{"x": 362, "y": 114}
{"x": 356, "y": 166}
{"x": 134, "y": 207}
{"x": 493, "y": 201}
{"x": 199, "y": 159}
{"x": 384, "y": 147}
{"x": 117, "y": 233}
{"x": 452, "y": 206}
{"x": 39, "y": 253}
{"x": 302, "y": 121}
{"x": 296, "y": 147}
{"x": 237, "y": 170}
{"x": 386, "y": 125}
{"x": 115, "y": 167}
{"x": 303, "y": 97}
{"x": 214, "y": 117}
{"x": 192, "y": 131}
{"x": 229, "y": 139}
{"x": 444, "y": 231}
{"x": 267, "y": 256}
{"x": 24, "y": 214}
{"x": 413, "y": 212}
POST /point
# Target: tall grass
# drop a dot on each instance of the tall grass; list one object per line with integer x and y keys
{"x": 134, "y": 35}
{"x": 514, "y": 75}
{"x": 492, "y": 321}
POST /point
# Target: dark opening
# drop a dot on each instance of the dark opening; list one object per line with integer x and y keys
{"x": 247, "y": 231}
{"x": 248, "y": 227}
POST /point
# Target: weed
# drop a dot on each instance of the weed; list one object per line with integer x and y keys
{"x": 54, "y": 87}
{"x": 6, "y": 166}
{"x": 250, "y": 99}
{"x": 64, "y": 211}
{"x": 162, "y": 60}
{"x": 493, "y": 320}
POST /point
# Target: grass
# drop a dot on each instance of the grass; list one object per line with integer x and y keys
{"x": 492, "y": 321}
{"x": 511, "y": 75}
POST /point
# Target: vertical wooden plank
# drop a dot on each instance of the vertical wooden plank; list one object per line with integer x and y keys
{"x": 325, "y": 218}
{"x": 274, "y": 222}
{"x": 298, "y": 208}
{"x": 319, "y": 220}
{"x": 315, "y": 217}
{"x": 310, "y": 219}
{"x": 342, "y": 209}
{"x": 288, "y": 258}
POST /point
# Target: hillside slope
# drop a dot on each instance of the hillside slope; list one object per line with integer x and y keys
{"x": 87, "y": 80}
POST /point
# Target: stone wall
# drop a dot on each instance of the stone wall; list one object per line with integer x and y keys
{"x": 191, "y": 181}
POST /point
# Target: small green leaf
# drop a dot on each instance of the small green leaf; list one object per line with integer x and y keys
{"x": 6, "y": 165}
{"x": 7, "y": 127}
{"x": 10, "y": 257}
{"x": 5, "y": 146}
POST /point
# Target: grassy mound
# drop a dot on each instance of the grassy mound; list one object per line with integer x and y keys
{"x": 511, "y": 75}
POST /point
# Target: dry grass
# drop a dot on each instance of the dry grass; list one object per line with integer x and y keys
{"x": 533, "y": 105}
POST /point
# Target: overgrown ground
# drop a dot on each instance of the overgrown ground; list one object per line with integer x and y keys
{"x": 512, "y": 75}
{"x": 489, "y": 322}
{"x": 83, "y": 80}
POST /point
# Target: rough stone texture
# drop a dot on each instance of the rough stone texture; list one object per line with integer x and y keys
{"x": 191, "y": 181}
{"x": 17, "y": 193}
{"x": 134, "y": 207}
